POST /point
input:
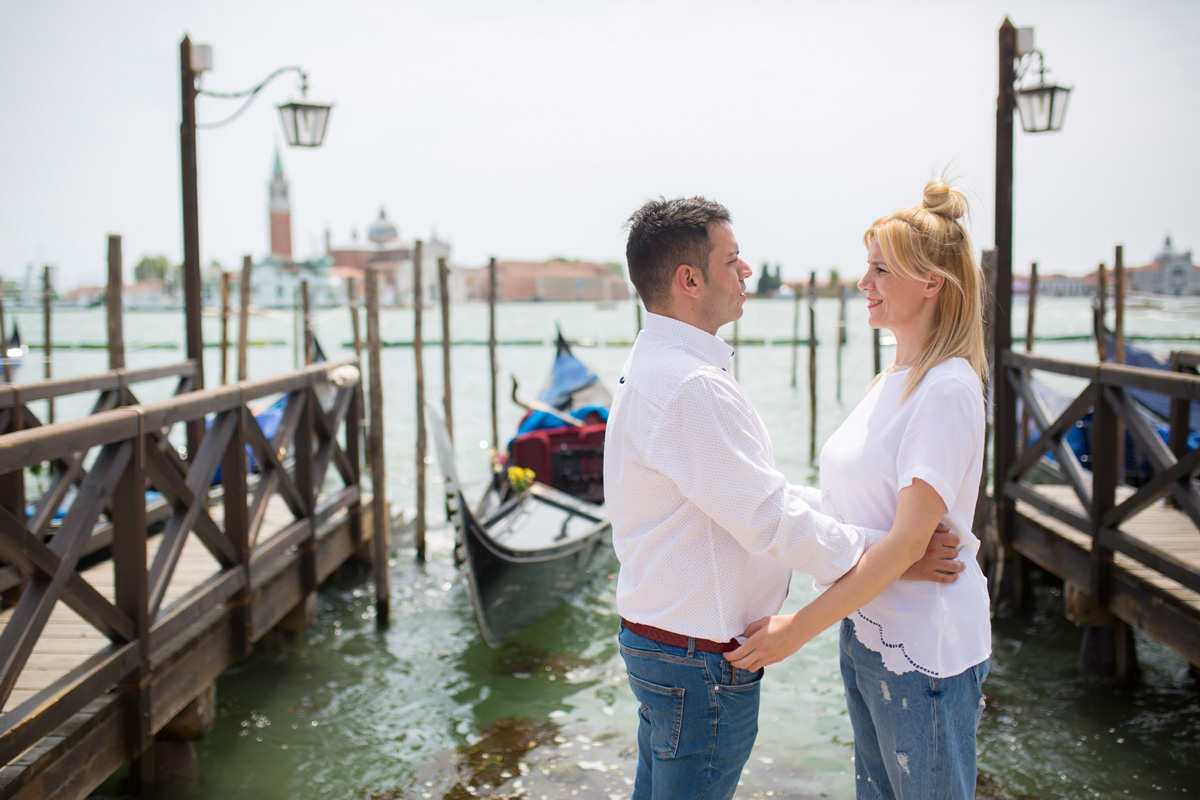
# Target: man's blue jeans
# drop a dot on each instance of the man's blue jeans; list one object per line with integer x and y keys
{"x": 914, "y": 736}
{"x": 698, "y": 719}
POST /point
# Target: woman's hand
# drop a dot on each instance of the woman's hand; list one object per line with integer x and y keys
{"x": 770, "y": 640}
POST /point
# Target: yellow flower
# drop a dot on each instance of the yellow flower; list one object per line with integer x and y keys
{"x": 520, "y": 478}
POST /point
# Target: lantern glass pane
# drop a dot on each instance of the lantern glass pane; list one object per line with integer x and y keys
{"x": 1033, "y": 105}
{"x": 1058, "y": 110}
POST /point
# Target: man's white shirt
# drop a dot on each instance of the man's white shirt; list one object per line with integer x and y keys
{"x": 707, "y": 530}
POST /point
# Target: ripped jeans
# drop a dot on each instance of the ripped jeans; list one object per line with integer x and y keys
{"x": 914, "y": 735}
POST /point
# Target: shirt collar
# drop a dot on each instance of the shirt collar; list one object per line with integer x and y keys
{"x": 712, "y": 349}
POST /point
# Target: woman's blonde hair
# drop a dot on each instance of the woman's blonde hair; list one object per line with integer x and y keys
{"x": 926, "y": 240}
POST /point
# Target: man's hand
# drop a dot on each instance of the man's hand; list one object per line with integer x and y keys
{"x": 940, "y": 563}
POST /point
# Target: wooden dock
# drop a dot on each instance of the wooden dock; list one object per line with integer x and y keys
{"x": 1128, "y": 555}
{"x": 100, "y": 663}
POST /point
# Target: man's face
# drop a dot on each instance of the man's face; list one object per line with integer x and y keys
{"x": 725, "y": 291}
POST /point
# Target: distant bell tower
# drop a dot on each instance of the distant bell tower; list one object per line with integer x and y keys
{"x": 281, "y": 214}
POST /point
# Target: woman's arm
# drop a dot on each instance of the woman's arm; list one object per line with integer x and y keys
{"x": 773, "y": 639}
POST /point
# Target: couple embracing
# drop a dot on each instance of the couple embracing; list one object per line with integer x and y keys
{"x": 708, "y": 531}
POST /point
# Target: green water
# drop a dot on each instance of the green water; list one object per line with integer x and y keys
{"x": 424, "y": 709}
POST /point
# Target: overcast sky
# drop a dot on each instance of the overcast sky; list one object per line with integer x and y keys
{"x": 528, "y": 130}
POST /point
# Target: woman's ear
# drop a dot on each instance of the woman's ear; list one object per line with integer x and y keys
{"x": 934, "y": 284}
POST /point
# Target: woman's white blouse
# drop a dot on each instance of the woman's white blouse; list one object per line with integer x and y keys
{"x": 936, "y": 435}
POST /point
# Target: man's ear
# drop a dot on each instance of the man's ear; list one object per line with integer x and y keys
{"x": 688, "y": 280}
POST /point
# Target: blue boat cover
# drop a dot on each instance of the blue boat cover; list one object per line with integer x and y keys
{"x": 569, "y": 375}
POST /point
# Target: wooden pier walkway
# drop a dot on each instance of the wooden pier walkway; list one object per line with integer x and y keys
{"x": 96, "y": 661}
{"x": 1129, "y": 556}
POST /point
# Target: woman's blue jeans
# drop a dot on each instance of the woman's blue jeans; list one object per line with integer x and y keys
{"x": 698, "y": 719}
{"x": 914, "y": 736}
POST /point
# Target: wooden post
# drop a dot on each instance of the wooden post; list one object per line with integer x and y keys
{"x": 112, "y": 304}
{"x": 297, "y": 331}
{"x": 1119, "y": 306}
{"x": 380, "y": 530}
{"x": 842, "y": 290}
{"x": 306, "y": 323}
{"x": 1029, "y": 318}
{"x": 225, "y": 281}
{"x": 1004, "y": 396}
{"x": 352, "y": 301}
{"x": 492, "y": 349}
{"x": 4, "y": 340}
{"x": 1119, "y": 346}
{"x": 47, "y": 295}
{"x": 419, "y": 355}
{"x": 244, "y": 319}
{"x": 1101, "y": 313}
{"x": 812, "y": 367}
{"x": 795, "y": 337}
{"x": 447, "y": 395}
{"x": 191, "y": 233}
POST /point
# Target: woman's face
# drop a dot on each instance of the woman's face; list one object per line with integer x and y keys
{"x": 893, "y": 302}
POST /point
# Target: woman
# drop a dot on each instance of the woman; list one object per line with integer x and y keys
{"x": 913, "y": 654}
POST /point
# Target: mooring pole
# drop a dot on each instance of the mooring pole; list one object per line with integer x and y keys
{"x": 244, "y": 319}
{"x": 380, "y": 529}
{"x": 841, "y": 335}
{"x": 47, "y": 296}
{"x": 444, "y": 293}
{"x": 419, "y": 355}
{"x": 113, "y": 306}
{"x": 352, "y": 302}
{"x": 306, "y": 324}
{"x": 492, "y": 349}
{"x": 812, "y": 367}
{"x": 225, "y": 281}
{"x": 795, "y": 338}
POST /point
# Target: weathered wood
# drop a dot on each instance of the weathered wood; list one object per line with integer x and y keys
{"x": 380, "y": 535}
{"x": 795, "y": 337}
{"x": 492, "y": 349}
{"x": 244, "y": 294}
{"x": 225, "y": 312}
{"x": 447, "y": 394}
{"x": 113, "y": 304}
{"x": 419, "y": 410}
{"x": 812, "y": 367}
{"x": 47, "y": 336}
{"x": 352, "y": 301}
{"x": 306, "y": 322}
{"x": 1101, "y": 312}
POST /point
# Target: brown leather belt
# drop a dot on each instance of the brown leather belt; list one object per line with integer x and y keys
{"x": 679, "y": 640}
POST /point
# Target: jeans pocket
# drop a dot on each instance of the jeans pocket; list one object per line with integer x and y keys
{"x": 661, "y": 707}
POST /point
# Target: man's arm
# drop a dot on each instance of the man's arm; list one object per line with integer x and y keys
{"x": 723, "y": 466}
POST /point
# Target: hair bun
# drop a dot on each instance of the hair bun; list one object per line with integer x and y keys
{"x": 940, "y": 198}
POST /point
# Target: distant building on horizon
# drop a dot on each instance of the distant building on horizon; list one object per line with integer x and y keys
{"x": 554, "y": 280}
{"x": 1170, "y": 273}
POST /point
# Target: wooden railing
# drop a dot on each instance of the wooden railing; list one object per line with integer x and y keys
{"x": 120, "y": 453}
{"x": 1106, "y": 397}
{"x": 113, "y": 389}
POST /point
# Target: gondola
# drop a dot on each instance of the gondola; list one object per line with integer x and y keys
{"x": 523, "y": 550}
{"x": 14, "y": 351}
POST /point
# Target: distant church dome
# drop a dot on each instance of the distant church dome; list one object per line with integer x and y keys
{"x": 381, "y": 230}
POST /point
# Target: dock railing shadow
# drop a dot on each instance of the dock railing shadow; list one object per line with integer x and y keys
{"x": 134, "y": 679}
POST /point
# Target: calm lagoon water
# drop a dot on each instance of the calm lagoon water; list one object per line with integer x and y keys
{"x": 424, "y": 709}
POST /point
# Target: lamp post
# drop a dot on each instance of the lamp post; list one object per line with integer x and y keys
{"x": 1042, "y": 108}
{"x": 304, "y": 124}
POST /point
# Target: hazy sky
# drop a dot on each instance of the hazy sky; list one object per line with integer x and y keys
{"x": 528, "y": 130}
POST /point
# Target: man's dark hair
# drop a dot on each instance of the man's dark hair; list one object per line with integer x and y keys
{"x": 664, "y": 234}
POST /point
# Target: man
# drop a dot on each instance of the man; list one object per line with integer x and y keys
{"x": 707, "y": 531}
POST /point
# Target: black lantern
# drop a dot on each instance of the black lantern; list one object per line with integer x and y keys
{"x": 1042, "y": 106}
{"x": 304, "y": 122}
